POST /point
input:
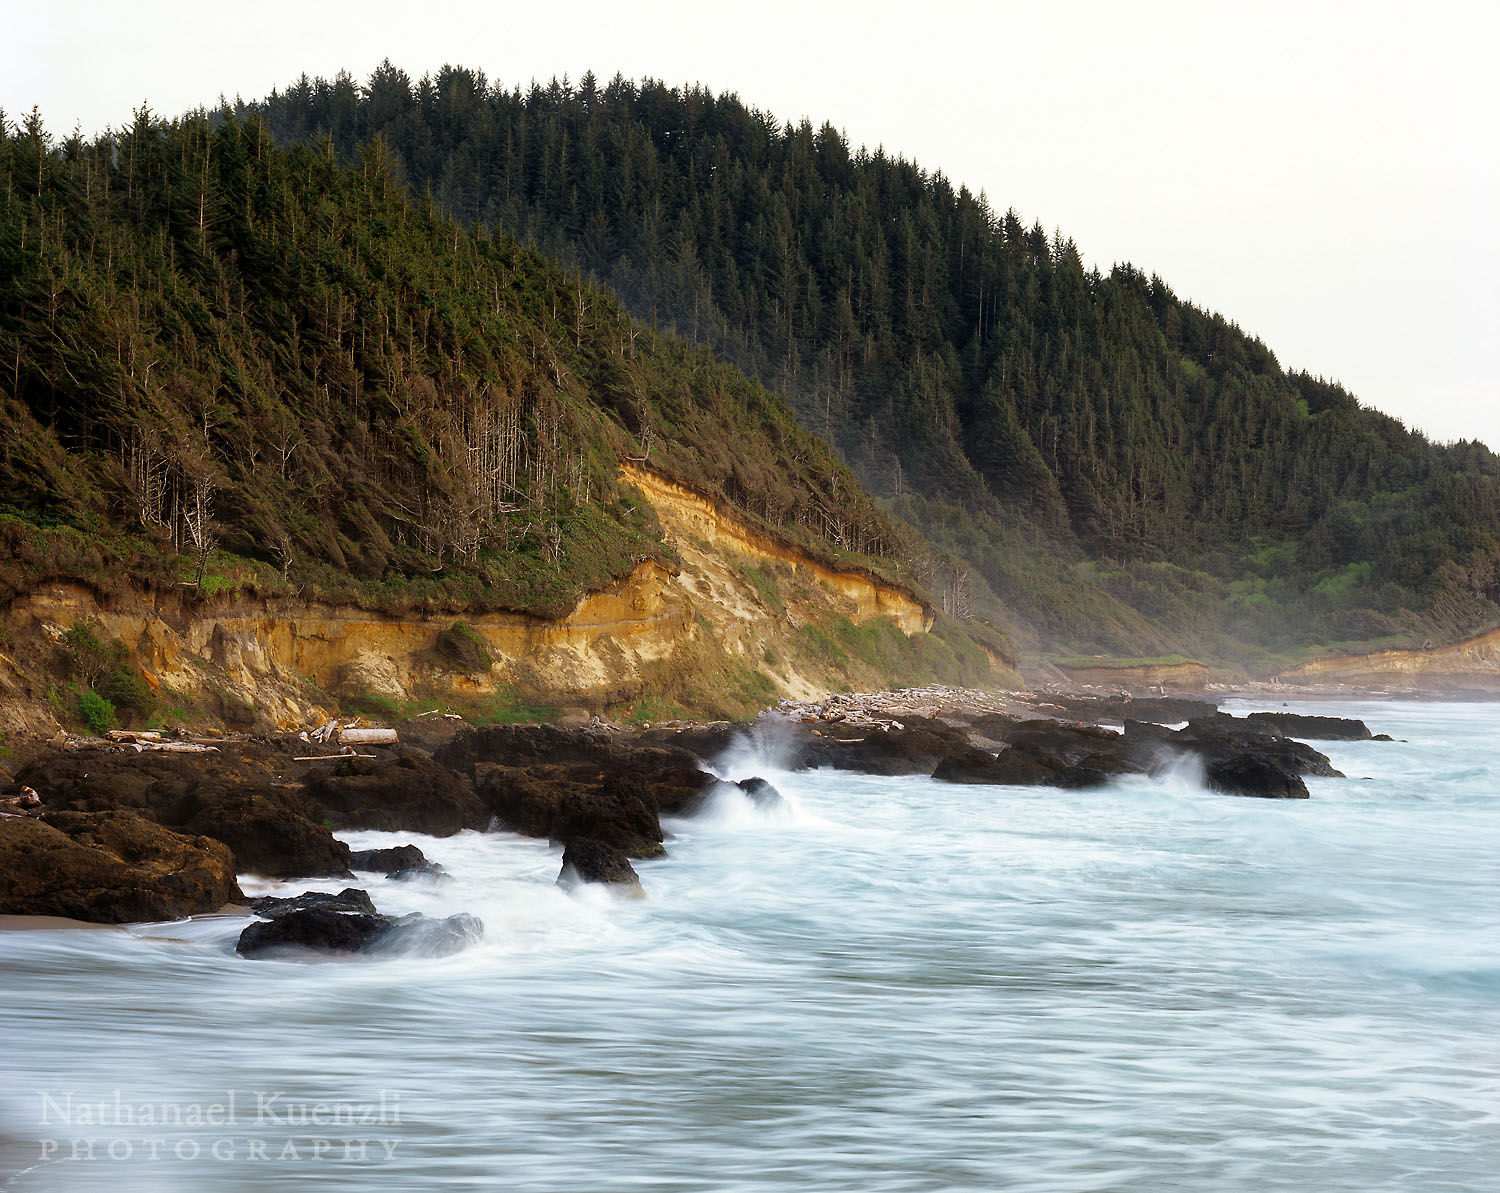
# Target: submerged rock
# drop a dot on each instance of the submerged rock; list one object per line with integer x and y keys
{"x": 427, "y": 871}
{"x": 418, "y": 935}
{"x": 586, "y": 861}
{"x": 320, "y": 930}
{"x": 110, "y": 868}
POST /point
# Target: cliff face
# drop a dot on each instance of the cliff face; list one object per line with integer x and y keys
{"x": 691, "y": 519}
{"x": 738, "y": 595}
{"x": 1471, "y": 663}
{"x": 1187, "y": 676}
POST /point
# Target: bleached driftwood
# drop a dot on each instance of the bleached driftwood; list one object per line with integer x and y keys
{"x": 367, "y": 737}
{"x": 133, "y": 735}
{"x": 174, "y": 747}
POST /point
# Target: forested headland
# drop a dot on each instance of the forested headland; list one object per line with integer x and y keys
{"x": 1119, "y": 470}
{"x": 240, "y": 365}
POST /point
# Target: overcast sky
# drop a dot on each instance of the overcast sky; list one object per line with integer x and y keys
{"x": 1326, "y": 174}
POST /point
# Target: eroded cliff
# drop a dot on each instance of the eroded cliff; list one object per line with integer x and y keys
{"x": 734, "y": 612}
{"x": 1470, "y": 663}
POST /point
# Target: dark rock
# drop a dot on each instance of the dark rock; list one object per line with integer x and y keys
{"x": 995, "y": 726}
{"x": 594, "y": 861}
{"x": 110, "y": 868}
{"x": 523, "y": 801}
{"x": 1224, "y": 736}
{"x": 428, "y": 871}
{"x": 230, "y": 798}
{"x": 617, "y": 814}
{"x": 524, "y": 745}
{"x": 310, "y": 929}
{"x": 1028, "y": 764}
{"x": 705, "y": 741}
{"x": 1382, "y": 737}
{"x": 1094, "y": 771}
{"x": 1081, "y": 778}
{"x": 558, "y": 761}
{"x": 762, "y": 794}
{"x": 1038, "y": 752}
{"x": 566, "y": 803}
{"x": 970, "y": 765}
{"x": 268, "y": 832}
{"x": 1062, "y": 740}
{"x": 319, "y": 930}
{"x": 1252, "y": 775}
{"x": 385, "y": 861}
{"x": 916, "y": 748}
{"x": 1313, "y": 728}
{"x": 348, "y": 900}
{"x": 412, "y": 793}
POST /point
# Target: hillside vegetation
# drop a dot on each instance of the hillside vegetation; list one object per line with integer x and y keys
{"x": 234, "y": 367}
{"x": 1121, "y": 471}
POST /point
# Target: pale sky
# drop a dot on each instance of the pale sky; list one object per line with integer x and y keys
{"x": 1326, "y": 174}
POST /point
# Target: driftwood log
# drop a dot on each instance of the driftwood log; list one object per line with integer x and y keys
{"x": 367, "y": 737}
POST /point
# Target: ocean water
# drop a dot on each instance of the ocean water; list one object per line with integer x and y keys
{"x": 893, "y": 985}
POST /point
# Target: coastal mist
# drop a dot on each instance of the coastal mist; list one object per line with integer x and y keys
{"x": 888, "y": 984}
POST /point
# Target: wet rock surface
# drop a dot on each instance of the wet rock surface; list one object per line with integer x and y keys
{"x": 110, "y": 868}
{"x": 1248, "y": 774}
{"x": 310, "y": 929}
{"x": 899, "y": 748}
{"x": 581, "y": 783}
{"x": 307, "y": 931}
{"x": 388, "y": 861}
{"x": 586, "y": 861}
{"x": 268, "y": 831}
{"x": 598, "y": 789}
{"x": 1008, "y": 749}
{"x": 412, "y": 793}
{"x": 762, "y": 793}
{"x": 234, "y": 798}
{"x": 350, "y": 899}
{"x": 1313, "y": 728}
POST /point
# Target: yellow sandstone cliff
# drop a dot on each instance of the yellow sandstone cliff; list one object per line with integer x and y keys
{"x": 1472, "y": 662}
{"x": 737, "y": 593}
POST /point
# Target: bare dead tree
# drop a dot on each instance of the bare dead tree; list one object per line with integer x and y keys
{"x": 197, "y": 518}
{"x": 148, "y": 465}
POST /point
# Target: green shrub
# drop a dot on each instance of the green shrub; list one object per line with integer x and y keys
{"x": 461, "y": 647}
{"x": 97, "y": 712}
{"x": 91, "y": 658}
{"x": 127, "y": 689}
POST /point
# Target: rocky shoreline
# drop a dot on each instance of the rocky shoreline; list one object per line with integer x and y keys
{"x": 101, "y": 832}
